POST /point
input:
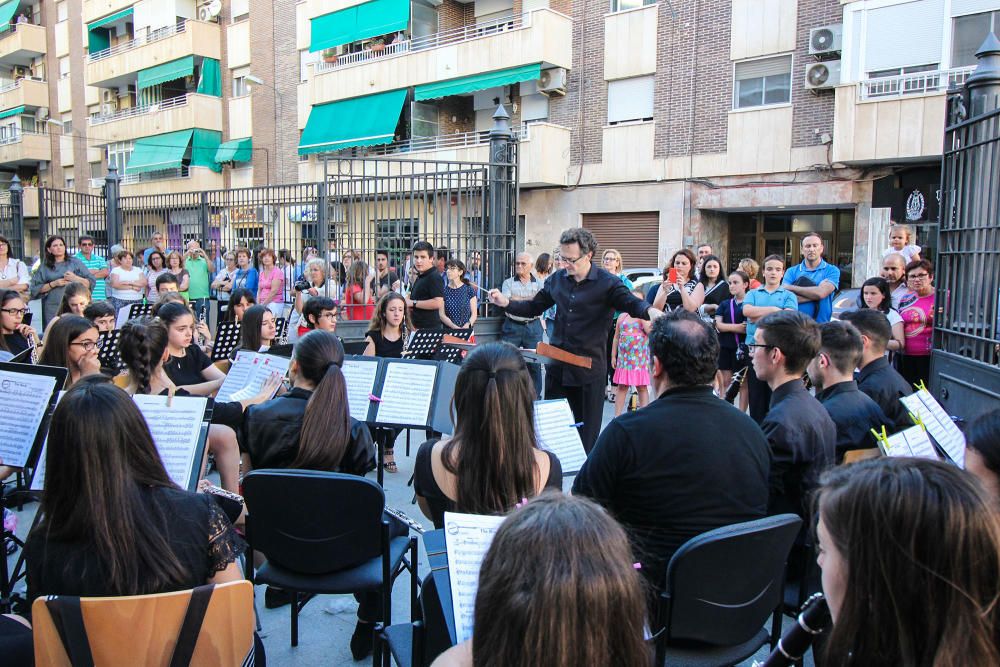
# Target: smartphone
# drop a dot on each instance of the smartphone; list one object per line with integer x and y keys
{"x": 672, "y": 275}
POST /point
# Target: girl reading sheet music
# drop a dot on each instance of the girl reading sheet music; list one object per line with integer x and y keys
{"x": 493, "y": 459}
{"x": 109, "y": 516}
{"x": 188, "y": 366}
{"x": 386, "y": 337}
{"x": 17, "y": 336}
{"x": 75, "y": 299}
{"x": 102, "y": 314}
{"x": 257, "y": 330}
{"x": 71, "y": 343}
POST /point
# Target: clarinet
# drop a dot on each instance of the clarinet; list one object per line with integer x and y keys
{"x": 739, "y": 377}
{"x": 812, "y": 621}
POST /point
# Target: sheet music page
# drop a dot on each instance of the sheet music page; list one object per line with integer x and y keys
{"x": 406, "y": 394}
{"x": 5, "y": 355}
{"x": 38, "y": 478}
{"x": 938, "y": 424}
{"x": 919, "y": 444}
{"x": 267, "y": 364}
{"x": 360, "y": 378}
{"x": 122, "y": 316}
{"x": 468, "y": 538}
{"x": 896, "y": 445}
{"x": 175, "y": 431}
{"x": 239, "y": 375}
{"x": 556, "y": 433}
{"x": 23, "y": 400}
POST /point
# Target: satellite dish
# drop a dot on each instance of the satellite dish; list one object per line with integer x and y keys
{"x": 215, "y": 8}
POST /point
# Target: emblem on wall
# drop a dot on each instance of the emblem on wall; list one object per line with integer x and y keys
{"x": 915, "y": 205}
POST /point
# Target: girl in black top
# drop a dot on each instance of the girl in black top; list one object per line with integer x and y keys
{"x": 112, "y": 521}
{"x": 386, "y": 337}
{"x": 17, "y": 336}
{"x": 257, "y": 330}
{"x": 187, "y": 366}
{"x": 239, "y": 301}
{"x": 731, "y": 325}
{"x": 71, "y": 343}
{"x": 493, "y": 460}
{"x": 713, "y": 280}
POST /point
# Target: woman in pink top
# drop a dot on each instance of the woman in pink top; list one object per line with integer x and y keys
{"x": 271, "y": 288}
{"x": 917, "y": 311}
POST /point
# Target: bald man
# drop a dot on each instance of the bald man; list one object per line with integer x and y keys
{"x": 523, "y": 332}
{"x": 894, "y": 273}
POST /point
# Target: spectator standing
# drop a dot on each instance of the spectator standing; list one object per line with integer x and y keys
{"x": 894, "y": 272}
{"x": 358, "y": 300}
{"x": 704, "y": 250}
{"x": 271, "y": 283}
{"x": 853, "y": 412}
{"x": 440, "y": 258}
{"x": 544, "y": 267}
{"x": 900, "y": 241}
{"x": 426, "y": 297}
{"x": 770, "y": 298}
{"x": 630, "y": 358}
{"x": 686, "y": 292}
{"x": 813, "y": 281}
{"x": 175, "y": 264}
{"x": 246, "y": 276}
{"x": 97, "y": 265}
{"x": 156, "y": 266}
{"x": 291, "y": 273}
{"x": 316, "y": 285}
{"x": 127, "y": 282}
{"x": 55, "y": 271}
{"x": 714, "y": 283}
{"x": 667, "y": 486}
{"x": 156, "y": 242}
{"x": 917, "y": 311}
{"x": 750, "y": 267}
{"x": 520, "y": 331}
{"x": 730, "y": 322}
{"x": 875, "y": 294}
{"x": 385, "y": 279}
{"x": 460, "y": 302}
{"x": 199, "y": 278}
{"x": 476, "y": 269}
{"x": 223, "y": 284}
{"x": 611, "y": 260}
{"x": 14, "y": 273}
{"x": 877, "y": 377}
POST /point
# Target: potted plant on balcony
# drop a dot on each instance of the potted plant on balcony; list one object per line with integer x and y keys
{"x": 330, "y": 55}
{"x": 377, "y": 45}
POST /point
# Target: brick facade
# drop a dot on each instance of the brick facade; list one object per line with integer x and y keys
{"x": 812, "y": 111}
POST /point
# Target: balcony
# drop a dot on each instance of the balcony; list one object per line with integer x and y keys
{"x": 893, "y": 118}
{"x": 119, "y": 64}
{"x": 95, "y": 9}
{"x": 25, "y": 148}
{"x": 20, "y": 43}
{"x": 25, "y": 92}
{"x": 183, "y": 179}
{"x": 179, "y": 113}
{"x": 542, "y": 36}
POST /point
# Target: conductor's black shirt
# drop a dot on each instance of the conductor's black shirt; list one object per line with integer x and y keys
{"x": 584, "y": 310}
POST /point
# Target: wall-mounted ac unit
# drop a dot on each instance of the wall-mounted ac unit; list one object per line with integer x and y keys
{"x": 822, "y": 75}
{"x": 826, "y": 39}
{"x": 209, "y": 11}
{"x": 108, "y": 96}
{"x": 552, "y": 81}
{"x": 107, "y": 109}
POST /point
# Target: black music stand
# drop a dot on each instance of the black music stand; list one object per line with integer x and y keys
{"x": 109, "y": 350}
{"x": 280, "y": 328}
{"x": 227, "y": 339}
{"x": 139, "y": 310}
{"x": 427, "y": 344}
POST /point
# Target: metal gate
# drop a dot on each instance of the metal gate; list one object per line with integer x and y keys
{"x": 965, "y": 374}
{"x": 71, "y": 215}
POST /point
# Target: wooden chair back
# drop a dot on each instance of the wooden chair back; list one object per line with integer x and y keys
{"x": 223, "y": 365}
{"x": 121, "y": 381}
{"x": 855, "y": 455}
{"x": 143, "y": 629}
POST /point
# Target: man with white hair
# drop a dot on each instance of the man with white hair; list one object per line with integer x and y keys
{"x": 525, "y": 332}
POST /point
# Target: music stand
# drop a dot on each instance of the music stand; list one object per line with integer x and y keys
{"x": 139, "y": 310}
{"x": 226, "y": 340}
{"x": 281, "y": 328}
{"x": 109, "y": 350}
{"x": 429, "y": 344}
{"x": 355, "y": 348}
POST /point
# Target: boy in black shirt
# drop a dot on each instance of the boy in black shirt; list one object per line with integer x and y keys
{"x": 427, "y": 296}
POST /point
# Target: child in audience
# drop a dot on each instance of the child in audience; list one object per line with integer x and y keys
{"x": 731, "y": 326}
{"x": 899, "y": 242}
{"x": 630, "y": 358}
{"x": 982, "y": 457}
{"x": 71, "y": 343}
{"x": 102, "y": 314}
{"x": 557, "y": 588}
{"x": 910, "y": 553}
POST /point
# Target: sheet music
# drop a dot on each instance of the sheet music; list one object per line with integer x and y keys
{"x": 38, "y": 478}
{"x": 238, "y": 375}
{"x": 5, "y": 355}
{"x": 938, "y": 424}
{"x": 556, "y": 433}
{"x": 468, "y": 538}
{"x": 24, "y": 398}
{"x": 919, "y": 444}
{"x": 175, "y": 431}
{"x": 360, "y": 378}
{"x": 268, "y": 364}
{"x": 406, "y": 394}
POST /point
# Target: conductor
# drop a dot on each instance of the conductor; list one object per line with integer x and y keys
{"x": 585, "y": 296}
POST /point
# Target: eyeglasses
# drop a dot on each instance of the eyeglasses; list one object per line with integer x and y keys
{"x": 87, "y": 345}
{"x": 15, "y": 311}
{"x": 570, "y": 260}
{"x": 918, "y": 276}
{"x": 755, "y": 346}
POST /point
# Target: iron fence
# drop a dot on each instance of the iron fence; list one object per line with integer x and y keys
{"x": 71, "y": 215}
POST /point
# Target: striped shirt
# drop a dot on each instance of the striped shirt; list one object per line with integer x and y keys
{"x": 95, "y": 263}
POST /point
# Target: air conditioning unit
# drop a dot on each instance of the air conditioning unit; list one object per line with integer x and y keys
{"x": 209, "y": 11}
{"x": 822, "y": 75}
{"x": 43, "y": 165}
{"x": 552, "y": 81}
{"x": 107, "y": 109}
{"x": 108, "y": 96}
{"x": 826, "y": 39}
{"x": 42, "y": 114}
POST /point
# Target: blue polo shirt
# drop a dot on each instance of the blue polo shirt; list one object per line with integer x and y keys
{"x": 824, "y": 271}
{"x": 779, "y": 298}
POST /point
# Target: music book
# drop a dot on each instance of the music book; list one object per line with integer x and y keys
{"x": 179, "y": 431}
{"x": 468, "y": 538}
{"x": 909, "y": 442}
{"x": 227, "y": 339}
{"x": 27, "y": 396}
{"x": 403, "y": 393}
{"x": 248, "y": 374}
{"x": 557, "y": 432}
{"x": 360, "y": 374}
{"x": 941, "y": 427}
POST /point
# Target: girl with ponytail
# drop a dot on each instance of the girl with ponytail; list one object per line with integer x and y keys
{"x": 493, "y": 460}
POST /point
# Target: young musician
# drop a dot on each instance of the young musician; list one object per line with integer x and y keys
{"x": 188, "y": 366}
{"x": 76, "y": 297}
{"x": 17, "y": 336}
{"x": 320, "y": 312}
{"x": 71, "y": 343}
{"x": 239, "y": 301}
{"x": 102, "y": 314}
{"x": 557, "y": 587}
{"x": 166, "y": 282}
{"x": 112, "y": 523}
{"x": 386, "y": 337}
{"x": 910, "y": 553}
{"x": 257, "y": 330}
{"x": 492, "y": 461}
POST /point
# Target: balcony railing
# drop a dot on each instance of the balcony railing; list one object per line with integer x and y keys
{"x": 172, "y": 103}
{"x": 149, "y": 38}
{"x": 16, "y": 137}
{"x": 453, "y": 36}
{"x": 439, "y": 142}
{"x": 10, "y": 28}
{"x": 145, "y": 177}
{"x": 913, "y": 84}
{"x": 17, "y": 84}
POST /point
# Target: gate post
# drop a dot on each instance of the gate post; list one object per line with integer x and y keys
{"x": 203, "y": 221}
{"x": 983, "y": 85}
{"x": 501, "y": 206}
{"x": 323, "y": 222}
{"x": 112, "y": 190}
{"x": 17, "y": 217}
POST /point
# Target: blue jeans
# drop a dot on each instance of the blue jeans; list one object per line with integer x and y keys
{"x": 527, "y": 335}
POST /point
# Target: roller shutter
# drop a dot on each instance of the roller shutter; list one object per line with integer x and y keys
{"x": 635, "y": 235}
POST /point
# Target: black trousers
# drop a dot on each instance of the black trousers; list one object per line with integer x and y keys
{"x": 759, "y": 395}
{"x": 586, "y": 401}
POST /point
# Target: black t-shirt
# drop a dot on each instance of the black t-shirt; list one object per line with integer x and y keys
{"x": 194, "y": 526}
{"x": 729, "y": 339}
{"x": 187, "y": 369}
{"x": 428, "y": 285}
{"x": 387, "y": 280}
{"x": 391, "y": 349}
{"x": 717, "y": 293}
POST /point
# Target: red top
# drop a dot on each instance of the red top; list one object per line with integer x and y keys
{"x": 352, "y": 304}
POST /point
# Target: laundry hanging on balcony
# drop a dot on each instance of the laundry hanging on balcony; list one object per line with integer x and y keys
{"x": 98, "y": 37}
{"x": 359, "y": 121}
{"x": 171, "y": 71}
{"x": 235, "y": 150}
{"x": 369, "y": 19}
{"x": 470, "y": 84}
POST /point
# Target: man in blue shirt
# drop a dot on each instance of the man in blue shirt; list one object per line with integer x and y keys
{"x": 815, "y": 300}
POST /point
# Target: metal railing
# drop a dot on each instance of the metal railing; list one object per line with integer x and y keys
{"x": 144, "y": 177}
{"x": 444, "y": 38}
{"x": 11, "y": 28}
{"x": 172, "y": 103}
{"x": 17, "y": 136}
{"x": 439, "y": 142}
{"x": 149, "y": 38}
{"x": 17, "y": 84}
{"x": 932, "y": 81}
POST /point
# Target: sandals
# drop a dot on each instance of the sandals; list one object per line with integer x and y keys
{"x": 390, "y": 466}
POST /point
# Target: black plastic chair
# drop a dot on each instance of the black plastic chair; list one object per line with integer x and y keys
{"x": 419, "y": 643}
{"x": 721, "y": 587}
{"x": 324, "y": 533}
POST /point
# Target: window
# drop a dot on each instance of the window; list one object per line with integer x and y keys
{"x": 762, "y": 82}
{"x": 622, "y": 5}
{"x": 64, "y": 67}
{"x": 968, "y": 33}
{"x": 424, "y": 120}
{"x": 630, "y": 100}
{"x": 70, "y": 182}
{"x": 67, "y": 123}
{"x": 118, "y": 155}
{"x": 96, "y": 170}
{"x": 62, "y": 11}
{"x": 241, "y": 86}
{"x": 397, "y": 236}
{"x": 240, "y": 10}
{"x": 305, "y": 59}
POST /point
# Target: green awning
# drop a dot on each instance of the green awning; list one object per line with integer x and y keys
{"x": 171, "y": 71}
{"x": 358, "y": 121}
{"x": 210, "y": 81}
{"x": 204, "y": 145}
{"x": 470, "y": 84}
{"x": 236, "y": 150}
{"x": 7, "y": 11}
{"x": 163, "y": 151}
{"x": 16, "y": 111}
{"x": 98, "y": 40}
{"x": 117, "y": 16}
{"x": 370, "y": 19}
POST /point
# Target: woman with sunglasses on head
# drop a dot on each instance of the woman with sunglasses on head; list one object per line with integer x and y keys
{"x": 57, "y": 270}
{"x": 17, "y": 336}
{"x": 71, "y": 343}
{"x": 14, "y": 274}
